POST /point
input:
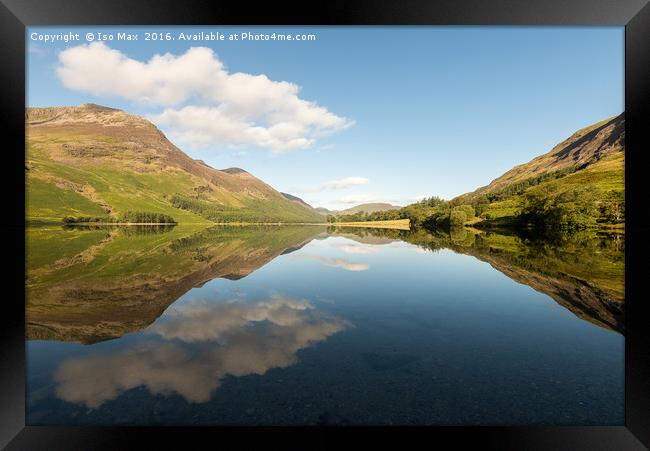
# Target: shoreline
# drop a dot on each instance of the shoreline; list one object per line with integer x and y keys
{"x": 402, "y": 224}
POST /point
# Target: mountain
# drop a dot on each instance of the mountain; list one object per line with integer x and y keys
{"x": 368, "y": 208}
{"x": 589, "y": 161}
{"x": 324, "y": 211}
{"x": 585, "y": 147}
{"x": 298, "y": 201}
{"x": 95, "y": 161}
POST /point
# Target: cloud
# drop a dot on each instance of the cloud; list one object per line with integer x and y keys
{"x": 358, "y": 248}
{"x": 343, "y": 183}
{"x": 358, "y": 199}
{"x": 227, "y": 339}
{"x": 203, "y": 321}
{"x": 205, "y": 126}
{"x": 338, "y": 263}
{"x": 227, "y": 108}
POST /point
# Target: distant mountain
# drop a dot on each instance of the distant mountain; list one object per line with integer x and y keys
{"x": 96, "y": 161}
{"x": 324, "y": 211}
{"x": 368, "y": 208}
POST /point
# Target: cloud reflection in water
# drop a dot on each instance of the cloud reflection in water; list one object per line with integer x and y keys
{"x": 194, "y": 346}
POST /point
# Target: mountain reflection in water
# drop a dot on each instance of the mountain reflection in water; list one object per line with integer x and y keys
{"x": 116, "y": 315}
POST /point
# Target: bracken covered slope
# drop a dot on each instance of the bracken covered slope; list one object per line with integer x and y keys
{"x": 92, "y": 160}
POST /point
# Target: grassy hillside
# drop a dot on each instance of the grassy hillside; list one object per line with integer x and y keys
{"x": 100, "y": 162}
{"x": 604, "y": 179}
{"x": 298, "y": 201}
{"x": 580, "y": 181}
{"x": 582, "y": 149}
{"x": 578, "y": 184}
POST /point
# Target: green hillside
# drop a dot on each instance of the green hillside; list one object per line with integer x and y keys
{"x": 603, "y": 179}
{"x": 578, "y": 184}
{"x": 98, "y": 162}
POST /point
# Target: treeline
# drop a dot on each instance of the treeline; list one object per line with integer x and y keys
{"x": 140, "y": 217}
{"x": 429, "y": 212}
{"x": 255, "y": 212}
{"x": 518, "y": 188}
{"x": 417, "y": 213}
{"x": 87, "y": 219}
{"x": 541, "y": 208}
{"x": 146, "y": 217}
{"x": 574, "y": 209}
{"x": 218, "y": 213}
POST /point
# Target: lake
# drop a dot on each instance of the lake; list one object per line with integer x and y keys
{"x": 306, "y": 325}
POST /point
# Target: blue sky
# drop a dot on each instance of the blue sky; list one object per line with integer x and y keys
{"x": 384, "y": 114}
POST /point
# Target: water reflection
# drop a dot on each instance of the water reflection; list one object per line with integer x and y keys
{"x": 358, "y": 248}
{"x": 165, "y": 327}
{"x": 137, "y": 229}
{"x": 228, "y": 338}
{"x": 584, "y": 272}
{"x": 338, "y": 263}
{"x": 91, "y": 284}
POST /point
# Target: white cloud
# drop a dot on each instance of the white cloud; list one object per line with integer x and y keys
{"x": 358, "y": 199}
{"x": 232, "y": 109}
{"x": 343, "y": 183}
{"x": 206, "y": 126}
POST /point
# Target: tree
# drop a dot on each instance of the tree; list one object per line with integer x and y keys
{"x": 467, "y": 209}
{"x": 480, "y": 204}
{"x": 574, "y": 208}
{"x": 457, "y": 218}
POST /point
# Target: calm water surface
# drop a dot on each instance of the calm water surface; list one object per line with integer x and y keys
{"x": 313, "y": 326}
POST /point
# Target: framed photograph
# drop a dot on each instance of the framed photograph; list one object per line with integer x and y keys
{"x": 371, "y": 217}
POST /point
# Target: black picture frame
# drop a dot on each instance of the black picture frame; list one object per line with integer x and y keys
{"x": 15, "y": 15}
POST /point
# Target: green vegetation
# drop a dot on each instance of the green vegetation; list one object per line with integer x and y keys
{"x": 588, "y": 198}
{"x": 128, "y": 217}
{"x": 416, "y": 213}
{"x": 518, "y": 188}
{"x": 572, "y": 209}
{"x": 568, "y": 199}
{"x": 578, "y": 185}
{"x": 47, "y": 202}
{"x": 402, "y": 224}
{"x": 253, "y": 211}
{"x": 56, "y": 190}
{"x": 146, "y": 217}
{"x": 92, "y": 283}
{"x": 78, "y": 167}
